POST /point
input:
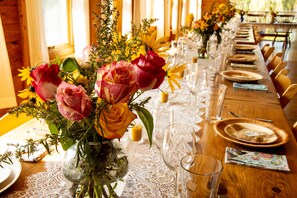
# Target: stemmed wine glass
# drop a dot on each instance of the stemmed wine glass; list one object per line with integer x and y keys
{"x": 178, "y": 141}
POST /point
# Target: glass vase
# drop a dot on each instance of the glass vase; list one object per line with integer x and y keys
{"x": 203, "y": 48}
{"x": 94, "y": 169}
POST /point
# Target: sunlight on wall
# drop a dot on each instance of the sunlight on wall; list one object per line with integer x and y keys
{"x": 264, "y": 5}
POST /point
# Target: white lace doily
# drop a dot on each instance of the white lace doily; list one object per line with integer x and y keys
{"x": 147, "y": 177}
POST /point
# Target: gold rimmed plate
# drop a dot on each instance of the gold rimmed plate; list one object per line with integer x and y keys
{"x": 245, "y": 47}
{"x": 241, "y": 76}
{"x": 271, "y": 135}
{"x": 242, "y": 58}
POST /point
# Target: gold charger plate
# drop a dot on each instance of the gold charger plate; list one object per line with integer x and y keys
{"x": 241, "y": 76}
{"x": 245, "y": 47}
{"x": 220, "y": 129}
{"x": 242, "y": 58}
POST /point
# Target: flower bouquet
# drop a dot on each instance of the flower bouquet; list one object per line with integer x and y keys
{"x": 90, "y": 103}
{"x": 212, "y": 22}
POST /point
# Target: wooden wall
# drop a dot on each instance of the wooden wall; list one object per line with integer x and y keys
{"x": 206, "y": 4}
{"x": 11, "y": 15}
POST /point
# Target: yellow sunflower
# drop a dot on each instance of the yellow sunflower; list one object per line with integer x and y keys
{"x": 30, "y": 95}
{"x": 25, "y": 74}
{"x": 172, "y": 75}
{"x": 158, "y": 46}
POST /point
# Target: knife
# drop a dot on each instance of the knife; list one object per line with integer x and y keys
{"x": 259, "y": 119}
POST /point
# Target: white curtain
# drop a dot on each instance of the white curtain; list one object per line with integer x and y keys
{"x": 171, "y": 14}
{"x": 81, "y": 25}
{"x": 37, "y": 43}
{"x": 7, "y": 95}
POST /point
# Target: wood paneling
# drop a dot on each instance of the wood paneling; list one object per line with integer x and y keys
{"x": 206, "y": 4}
{"x": 10, "y": 15}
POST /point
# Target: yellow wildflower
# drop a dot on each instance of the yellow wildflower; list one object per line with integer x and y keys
{"x": 151, "y": 43}
{"x": 80, "y": 78}
{"x": 30, "y": 95}
{"x": 25, "y": 74}
{"x": 173, "y": 75}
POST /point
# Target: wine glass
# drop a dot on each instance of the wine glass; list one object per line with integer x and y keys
{"x": 178, "y": 141}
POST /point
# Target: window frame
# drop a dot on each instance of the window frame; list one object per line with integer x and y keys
{"x": 64, "y": 50}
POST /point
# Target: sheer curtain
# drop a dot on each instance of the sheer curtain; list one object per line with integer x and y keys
{"x": 171, "y": 14}
{"x": 7, "y": 95}
{"x": 81, "y": 25}
{"x": 37, "y": 43}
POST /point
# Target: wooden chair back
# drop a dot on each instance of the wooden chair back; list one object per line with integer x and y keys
{"x": 267, "y": 53}
{"x": 264, "y": 48}
{"x": 294, "y": 130}
{"x": 273, "y": 73}
{"x": 277, "y": 58}
{"x": 285, "y": 89}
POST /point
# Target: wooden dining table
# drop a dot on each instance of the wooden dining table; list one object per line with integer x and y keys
{"x": 237, "y": 180}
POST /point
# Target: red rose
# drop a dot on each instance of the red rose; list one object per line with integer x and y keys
{"x": 73, "y": 102}
{"x": 46, "y": 80}
{"x": 116, "y": 82}
{"x": 150, "y": 74}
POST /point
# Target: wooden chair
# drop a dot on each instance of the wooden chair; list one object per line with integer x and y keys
{"x": 277, "y": 69}
{"x": 264, "y": 48}
{"x": 294, "y": 130}
{"x": 285, "y": 89}
{"x": 273, "y": 75}
{"x": 276, "y": 59}
{"x": 266, "y": 52}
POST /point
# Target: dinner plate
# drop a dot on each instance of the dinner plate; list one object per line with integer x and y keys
{"x": 245, "y": 47}
{"x": 15, "y": 169}
{"x": 252, "y": 133}
{"x": 4, "y": 172}
{"x": 241, "y": 76}
{"x": 220, "y": 128}
{"x": 242, "y": 58}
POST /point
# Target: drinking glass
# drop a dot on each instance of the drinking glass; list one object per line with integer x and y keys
{"x": 178, "y": 141}
{"x": 200, "y": 176}
{"x": 215, "y": 108}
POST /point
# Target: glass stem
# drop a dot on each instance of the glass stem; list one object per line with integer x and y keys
{"x": 176, "y": 183}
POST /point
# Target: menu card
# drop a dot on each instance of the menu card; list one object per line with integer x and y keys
{"x": 257, "y": 159}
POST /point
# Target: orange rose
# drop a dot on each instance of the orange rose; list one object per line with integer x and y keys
{"x": 215, "y": 27}
{"x": 114, "y": 123}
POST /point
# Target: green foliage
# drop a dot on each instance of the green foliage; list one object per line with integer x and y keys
{"x": 147, "y": 119}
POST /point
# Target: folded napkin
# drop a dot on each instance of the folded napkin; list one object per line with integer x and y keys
{"x": 259, "y": 87}
{"x": 256, "y": 159}
{"x": 241, "y": 65}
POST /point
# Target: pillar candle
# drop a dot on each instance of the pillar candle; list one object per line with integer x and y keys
{"x": 136, "y": 132}
{"x": 163, "y": 96}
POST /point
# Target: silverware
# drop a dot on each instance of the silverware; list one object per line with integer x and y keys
{"x": 259, "y": 119}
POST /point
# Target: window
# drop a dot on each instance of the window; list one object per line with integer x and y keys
{"x": 58, "y": 30}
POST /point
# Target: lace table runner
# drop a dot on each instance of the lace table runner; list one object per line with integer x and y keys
{"x": 147, "y": 177}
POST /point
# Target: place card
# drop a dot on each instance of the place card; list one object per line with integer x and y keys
{"x": 257, "y": 159}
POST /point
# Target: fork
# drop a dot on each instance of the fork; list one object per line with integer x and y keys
{"x": 259, "y": 119}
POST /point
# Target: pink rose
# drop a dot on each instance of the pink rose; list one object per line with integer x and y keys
{"x": 46, "y": 80}
{"x": 150, "y": 74}
{"x": 116, "y": 82}
{"x": 73, "y": 103}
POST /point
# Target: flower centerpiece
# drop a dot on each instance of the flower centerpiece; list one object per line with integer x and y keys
{"x": 212, "y": 22}
{"x": 90, "y": 103}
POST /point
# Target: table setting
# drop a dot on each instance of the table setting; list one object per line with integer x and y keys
{"x": 211, "y": 127}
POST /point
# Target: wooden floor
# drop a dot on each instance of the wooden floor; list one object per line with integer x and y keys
{"x": 291, "y": 58}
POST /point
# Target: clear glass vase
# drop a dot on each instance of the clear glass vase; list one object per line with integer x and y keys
{"x": 95, "y": 168}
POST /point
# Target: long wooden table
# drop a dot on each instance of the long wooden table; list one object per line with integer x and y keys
{"x": 237, "y": 180}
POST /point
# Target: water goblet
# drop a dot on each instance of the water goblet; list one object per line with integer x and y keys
{"x": 178, "y": 141}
